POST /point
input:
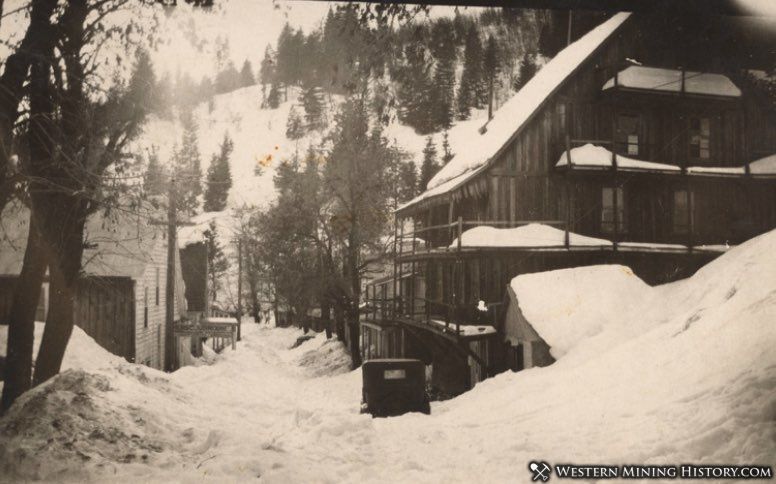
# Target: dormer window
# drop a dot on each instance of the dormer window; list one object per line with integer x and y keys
{"x": 700, "y": 135}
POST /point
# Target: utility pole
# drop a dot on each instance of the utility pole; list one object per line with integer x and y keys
{"x": 172, "y": 245}
{"x": 239, "y": 287}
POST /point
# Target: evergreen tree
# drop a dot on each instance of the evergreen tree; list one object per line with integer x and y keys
{"x": 312, "y": 101}
{"x": 206, "y": 89}
{"x": 155, "y": 179}
{"x": 408, "y": 181}
{"x": 294, "y": 125}
{"x": 414, "y": 91}
{"x": 447, "y": 153}
{"x": 430, "y": 166}
{"x": 217, "y": 263}
{"x": 246, "y": 74}
{"x": 228, "y": 79}
{"x": 219, "y": 177}
{"x": 273, "y": 99}
{"x": 267, "y": 68}
{"x": 266, "y": 74}
{"x": 471, "y": 91}
{"x": 491, "y": 66}
{"x": 527, "y": 71}
{"x": 188, "y": 169}
{"x": 443, "y": 49}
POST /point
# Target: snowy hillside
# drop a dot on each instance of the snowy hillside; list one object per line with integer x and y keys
{"x": 259, "y": 137}
{"x": 691, "y": 381}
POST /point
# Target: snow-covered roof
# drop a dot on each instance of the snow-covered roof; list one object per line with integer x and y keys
{"x": 531, "y": 235}
{"x": 484, "y": 145}
{"x": 591, "y": 156}
{"x": 670, "y": 80}
{"x": 569, "y": 305}
{"x": 124, "y": 243}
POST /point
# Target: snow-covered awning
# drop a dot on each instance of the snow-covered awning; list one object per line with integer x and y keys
{"x": 593, "y": 157}
{"x": 526, "y": 236}
{"x": 483, "y": 145}
{"x": 672, "y": 80}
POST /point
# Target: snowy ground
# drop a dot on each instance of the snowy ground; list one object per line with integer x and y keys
{"x": 692, "y": 381}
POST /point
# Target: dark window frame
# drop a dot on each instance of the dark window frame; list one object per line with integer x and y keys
{"x": 607, "y": 210}
{"x": 623, "y": 140}
{"x": 698, "y": 131}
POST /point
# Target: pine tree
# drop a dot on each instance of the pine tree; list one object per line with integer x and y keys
{"x": 155, "y": 179}
{"x": 266, "y": 74}
{"x": 219, "y": 177}
{"x": 471, "y": 91}
{"x": 217, "y": 263}
{"x": 408, "y": 181}
{"x": 294, "y": 125}
{"x": 415, "y": 89}
{"x": 527, "y": 71}
{"x": 246, "y": 74}
{"x": 447, "y": 153}
{"x": 443, "y": 49}
{"x": 312, "y": 101}
{"x": 429, "y": 167}
{"x": 491, "y": 65}
{"x": 228, "y": 79}
{"x": 273, "y": 99}
{"x": 188, "y": 167}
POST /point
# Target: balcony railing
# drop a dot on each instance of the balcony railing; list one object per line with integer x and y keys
{"x": 451, "y": 317}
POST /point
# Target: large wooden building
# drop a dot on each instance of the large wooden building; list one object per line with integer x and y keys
{"x": 121, "y": 298}
{"x": 647, "y": 142}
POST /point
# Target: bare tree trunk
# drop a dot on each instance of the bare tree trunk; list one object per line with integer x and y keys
{"x": 21, "y": 321}
{"x": 59, "y": 327}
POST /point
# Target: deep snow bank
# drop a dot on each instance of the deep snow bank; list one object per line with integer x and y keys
{"x": 684, "y": 372}
{"x": 569, "y": 307}
{"x": 82, "y": 352}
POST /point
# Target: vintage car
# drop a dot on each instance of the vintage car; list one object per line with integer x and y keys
{"x": 393, "y": 387}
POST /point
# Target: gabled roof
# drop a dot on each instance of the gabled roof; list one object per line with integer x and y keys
{"x": 484, "y": 145}
{"x": 120, "y": 245}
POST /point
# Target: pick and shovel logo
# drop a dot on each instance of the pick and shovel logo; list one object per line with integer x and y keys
{"x": 541, "y": 471}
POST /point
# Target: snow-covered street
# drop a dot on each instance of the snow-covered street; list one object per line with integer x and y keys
{"x": 691, "y": 381}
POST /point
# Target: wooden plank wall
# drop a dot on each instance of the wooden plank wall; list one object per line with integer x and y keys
{"x": 104, "y": 310}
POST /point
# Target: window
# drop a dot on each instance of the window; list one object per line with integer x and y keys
{"x": 681, "y": 213}
{"x": 157, "y": 286}
{"x": 628, "y": 128}
{"x": 145, "y": 307}
{"x": 700, "y": 133}
{"x": 612, "y": 200}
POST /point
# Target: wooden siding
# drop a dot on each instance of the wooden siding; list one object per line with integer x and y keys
{"x": 523, "y": 184}
{"x": 104, "y": 310}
